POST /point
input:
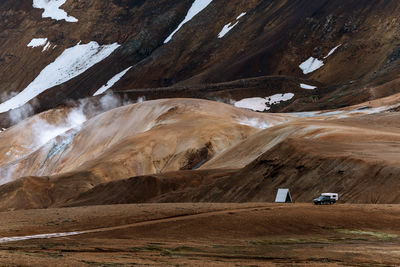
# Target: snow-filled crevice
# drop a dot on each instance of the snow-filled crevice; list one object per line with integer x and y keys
{"x": 333, "y": 50}
{"x": 228, "y": 27}
{"x": 40, "y": 236}
{"x": 196, "y": 8}
{"x": 111, "y": 82}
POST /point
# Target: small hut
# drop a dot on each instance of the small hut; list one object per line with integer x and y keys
{"x": 283, "y": 196}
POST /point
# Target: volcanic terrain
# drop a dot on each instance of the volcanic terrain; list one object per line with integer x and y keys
{"x": 158, "y": 132}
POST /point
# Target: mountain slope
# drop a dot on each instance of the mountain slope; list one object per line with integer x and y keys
{"x": 269, "y": 38}
{"x": 361, "y": 165}
{"x": 144, "y": 138}
{"x": 185, "y": 150}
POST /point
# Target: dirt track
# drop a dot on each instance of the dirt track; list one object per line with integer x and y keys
{"x": 212, "y": 234}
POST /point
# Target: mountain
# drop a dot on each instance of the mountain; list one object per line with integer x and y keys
{"x": 267, "y": 42}
{"x": 110, "y": 102}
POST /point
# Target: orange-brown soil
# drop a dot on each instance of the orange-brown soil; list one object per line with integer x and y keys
{"x": 250, "y": 234}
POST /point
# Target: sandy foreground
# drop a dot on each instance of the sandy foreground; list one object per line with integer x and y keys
{"x": 249, "y": 234}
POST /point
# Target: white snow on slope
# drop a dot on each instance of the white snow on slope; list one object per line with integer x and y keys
{"x": 226, "y": 29}
{"x": 41, "y": 236}
{"x": 111, "y": 82}
{"x": 307, "y": 87}
{"x": 241, "y": 15}
{"x": 46, "y": 47}
{"x": 262, "y": 104}
{"x": 72, "y": 62}
{"x": 36, "y": 42}
{"x": 311, "y": 65}
{"x": 230, "y": 26}
{"x": 253, "y": 103}
{"x": 52, "y": 10}
{"x": 196, "y": 8}
{"x": 332, "y": 51}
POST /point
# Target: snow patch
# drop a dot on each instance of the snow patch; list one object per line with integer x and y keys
{"x": 72, "y": 62}
{"x": 52, "y": 10}
{"x": 111, "y": 82}
{"x": 241, "y": 15}
{"x": 332, "y": 51}
{"x": 41, "y": 236}
{"x": 227, "y": 29}
{"x": 253, "y": 103}
{"x": 36, "y": 42}
{"x": 263, "y": 104}
{"x": 275, "y": 99}
{"x": 311, "y": 65}
{"x": 196, "y": 8}
{"x": 46, "y": 47}
{"x": 307, "y": 87}
{"x": 230, "y": 26}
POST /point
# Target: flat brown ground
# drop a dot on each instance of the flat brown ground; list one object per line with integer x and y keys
{"x": 250, "y": 234}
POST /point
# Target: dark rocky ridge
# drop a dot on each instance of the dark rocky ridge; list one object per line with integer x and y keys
{"x": 272, "y": 39}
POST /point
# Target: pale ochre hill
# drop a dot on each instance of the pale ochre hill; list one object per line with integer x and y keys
{"x": 349, "y": 156}
{"x": 371, "y": 130}
{"x": 155, "y": 154}
{"x": 350, "y": 124}
{"x": 145, "y": 138}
